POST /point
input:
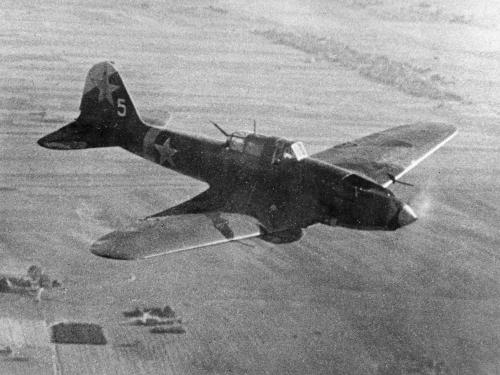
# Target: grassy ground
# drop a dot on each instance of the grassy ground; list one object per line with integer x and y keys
{"x": 419, "y": 300}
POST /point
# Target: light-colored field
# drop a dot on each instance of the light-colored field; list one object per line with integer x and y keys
{"x": 26, "y": 347}
{"x": 424, "y": 299}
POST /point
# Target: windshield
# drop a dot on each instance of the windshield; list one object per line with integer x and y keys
{"x": 299, "y": 150}
{"x": 288, "y": 150}
{"x": 237, "y": 141}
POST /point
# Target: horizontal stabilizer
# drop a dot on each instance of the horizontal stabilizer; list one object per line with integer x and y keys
{"x": 74, "y": 136}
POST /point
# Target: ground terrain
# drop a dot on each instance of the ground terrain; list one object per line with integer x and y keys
{"x": 424, "y": 299}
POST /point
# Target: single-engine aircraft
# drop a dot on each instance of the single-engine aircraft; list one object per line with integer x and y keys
{"x": 259, "y": 186}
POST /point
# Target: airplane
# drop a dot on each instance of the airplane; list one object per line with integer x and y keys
{"x": 259, "y": 186}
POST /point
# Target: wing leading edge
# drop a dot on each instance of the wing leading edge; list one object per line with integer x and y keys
{"x": 176, "y": 233}
{"x": 388, "y": 155}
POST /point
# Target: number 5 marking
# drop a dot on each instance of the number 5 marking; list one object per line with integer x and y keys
{"x": 122, "y": 108}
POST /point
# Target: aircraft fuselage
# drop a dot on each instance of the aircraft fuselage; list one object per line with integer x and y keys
{"x": 287, "y": 194}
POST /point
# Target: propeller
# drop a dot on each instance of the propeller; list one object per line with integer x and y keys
{"x": 394, "y": 180}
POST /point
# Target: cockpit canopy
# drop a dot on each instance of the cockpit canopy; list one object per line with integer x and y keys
{"x": 270, "y": 150}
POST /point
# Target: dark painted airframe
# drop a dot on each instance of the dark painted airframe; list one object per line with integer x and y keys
{"x": 260, "y": 186}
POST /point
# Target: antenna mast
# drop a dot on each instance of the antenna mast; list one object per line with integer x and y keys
{"x": 219, "y": 128}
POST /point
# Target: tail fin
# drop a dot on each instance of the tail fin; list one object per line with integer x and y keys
{"x": 105, "y": 96}
{"x": 107, "y": 114}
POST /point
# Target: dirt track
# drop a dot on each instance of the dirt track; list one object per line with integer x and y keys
{"x": 422, "y": 299}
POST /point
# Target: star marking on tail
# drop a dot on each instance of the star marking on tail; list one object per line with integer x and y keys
{"x": 166, "y": 152}
{"x": 106, "y": 89}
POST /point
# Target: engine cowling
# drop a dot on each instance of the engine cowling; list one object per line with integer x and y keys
{"x": 362, "y": 204}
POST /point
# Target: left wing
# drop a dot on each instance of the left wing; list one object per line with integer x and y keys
{"x": 207, "y": 201}
{"x": 176, "y": 233}
{"x": 388, "y": 155}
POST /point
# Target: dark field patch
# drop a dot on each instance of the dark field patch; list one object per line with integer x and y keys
{"x": 17, "y": 359}
{"x": 174, "y": 330}
{"x": 154, "y": 322}
{"x": 132, "y": 344}
{"x": 14, "y": 285}
{"x": 78, "y": 333}
{"x": 158, "y": 312}
{"x": 163, "y": 320}
{"x": 5, "y": 350}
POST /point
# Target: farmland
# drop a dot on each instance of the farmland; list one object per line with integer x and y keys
{"x": 422, "y": 299}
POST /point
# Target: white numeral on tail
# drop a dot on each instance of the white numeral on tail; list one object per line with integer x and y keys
{"x": 122, "y": 108}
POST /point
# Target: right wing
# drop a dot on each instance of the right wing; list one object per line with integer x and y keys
{"x": 176, "y": 233}
{"x": 388, "y": 155}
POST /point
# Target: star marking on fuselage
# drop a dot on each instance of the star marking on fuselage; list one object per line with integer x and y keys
{"x": 106, "y": 89}
{"x": 166, "y": 152}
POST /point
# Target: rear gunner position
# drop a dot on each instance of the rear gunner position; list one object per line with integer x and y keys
{"x": 259, "y": 186}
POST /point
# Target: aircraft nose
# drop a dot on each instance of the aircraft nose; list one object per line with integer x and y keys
{"x": 406, "y": 216}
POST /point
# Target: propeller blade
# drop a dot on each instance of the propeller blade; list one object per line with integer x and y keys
{"x": 394, "y": 180}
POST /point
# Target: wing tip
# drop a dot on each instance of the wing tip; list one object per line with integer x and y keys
{"x": 111, "y": 256}
{"x": 448, "y": 132}
{"x": 436, "y": 126}
{"x": 448, "y": 129}
{"x": 100, "y": 249}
